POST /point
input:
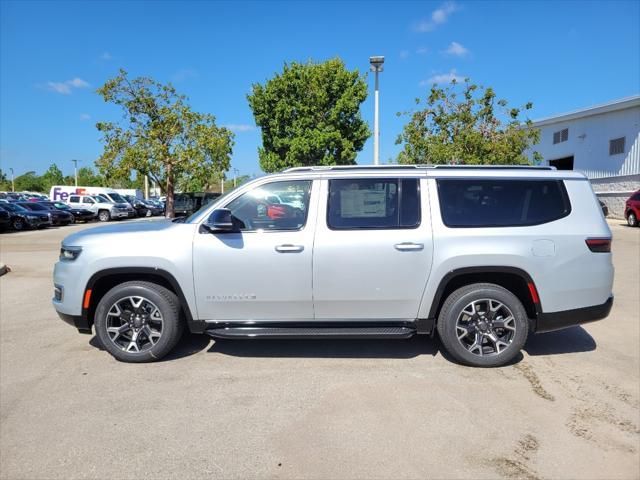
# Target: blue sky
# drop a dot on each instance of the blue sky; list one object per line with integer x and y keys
{"x": 53, "y": 55}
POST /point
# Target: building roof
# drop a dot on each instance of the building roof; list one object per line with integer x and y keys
{"x": 614, "y": 105}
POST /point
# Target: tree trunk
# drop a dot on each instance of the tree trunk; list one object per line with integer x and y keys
{"x": 169, "y": 213}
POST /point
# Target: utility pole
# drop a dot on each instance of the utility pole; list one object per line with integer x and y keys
{"x": 235, "y": 176}
{"x": 75, "y": 169}
{"x": 146, "y": 187}
{"x": 376, "y": 67}
{"x": 13, "y": 185}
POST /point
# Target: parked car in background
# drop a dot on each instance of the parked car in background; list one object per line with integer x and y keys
{"x": 58, "y": 217}
{"x": 114, "y": 206}
{"x": 5, "y": 219}
{"x": 138, "y": 205}
{"x": 155, "y": 208}
{"x": 185, "y": 204}
{"x": 22, "y": 219}
{"x": 632, "y": 209}
{"x": 103, "y": 209}
{"x": 78, "y": 214}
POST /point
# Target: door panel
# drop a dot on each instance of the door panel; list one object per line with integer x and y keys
{"x": 261, "y": 273}
{"x": 370, "y": 274}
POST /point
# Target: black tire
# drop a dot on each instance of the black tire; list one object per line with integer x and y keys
{"x": 632, "y": 221}
{"x": 72, "y": 220}
{"x": 104, "y": 215}
{"x": 166, "y": 302}
{"x": 461, "y": 299}
{"x": 18, "y": 224}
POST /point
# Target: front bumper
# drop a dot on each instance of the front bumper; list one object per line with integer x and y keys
{"x": 548, "y": 322}
{"x": 122, "y": 214}
{"x": 82, "y": 324}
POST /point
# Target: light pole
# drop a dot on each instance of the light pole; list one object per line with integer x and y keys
{"x": 376, "y": 66}
{"x": 75, "y": 170}
{"x": 13, "y": 185}
{"x": 235, "y": 176}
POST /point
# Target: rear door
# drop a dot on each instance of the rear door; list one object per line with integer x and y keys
{"x": 373, "y": 249}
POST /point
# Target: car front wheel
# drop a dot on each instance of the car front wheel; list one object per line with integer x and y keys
{"x": 138, "y": 321}
{"x": 632, "y": 219}
{"x": 18, "y": 224}
{"x": 483, "y": 325}
{"x": 104, "y": 216}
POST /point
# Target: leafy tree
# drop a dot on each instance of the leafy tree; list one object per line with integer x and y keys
{"x": 310, "y": 114}
{"x": 88, "y": 178}
{"x": 29, "y": 182}
{"x": 5, "y": 183}
{"x": 160, "y": 135}
{"x": 53, "y": 176}
{"x": 466, "y": 124}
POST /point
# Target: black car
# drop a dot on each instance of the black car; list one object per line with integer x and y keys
{"x": 58, "y": 217}
{"x": 139, "y": 207}
{"x": 155, "y": 208}
{"x": 21, "y": 218}
{"x": 5, "y": 219}
{"x": 77, "y": 214}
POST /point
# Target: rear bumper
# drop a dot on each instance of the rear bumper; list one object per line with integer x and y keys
{"x": 77, "y": 321}
{"x": 548, "y": 322}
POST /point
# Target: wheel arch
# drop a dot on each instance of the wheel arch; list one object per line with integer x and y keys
{"x": 514, "y": 279}
{"x": 104, "y": 280}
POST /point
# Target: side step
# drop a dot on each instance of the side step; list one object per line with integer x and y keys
{"x": 311, "y": 332}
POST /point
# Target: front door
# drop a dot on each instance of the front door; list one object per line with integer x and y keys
{"x": 262, "y": 271}
{"x": 373, "y": 249}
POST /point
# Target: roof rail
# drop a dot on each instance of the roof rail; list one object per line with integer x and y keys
{"x": 394, "y": 167}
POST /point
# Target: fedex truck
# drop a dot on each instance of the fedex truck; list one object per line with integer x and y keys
{"x": 106, "y": 203}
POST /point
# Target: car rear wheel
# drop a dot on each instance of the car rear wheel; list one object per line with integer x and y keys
{"x": 72, "y": 219}
{"x": 138, "y": 321}
{"x": 632, "y": 220}
{"x": 104, "y": 215}
{"x": 483, "y": 325}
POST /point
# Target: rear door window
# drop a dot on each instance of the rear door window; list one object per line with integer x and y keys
{"x": 373, "y": 203}
{"x": 501, "y": 203}
{"x": 74, "y": 199}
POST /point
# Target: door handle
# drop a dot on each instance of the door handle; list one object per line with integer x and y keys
{"x": 288, "y": 248}
{"x": 409, "y": 246}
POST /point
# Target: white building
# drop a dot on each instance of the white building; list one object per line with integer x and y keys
{"x": 603, "y": 142}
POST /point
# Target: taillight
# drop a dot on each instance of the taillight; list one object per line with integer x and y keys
{"x": 600, "y": 245}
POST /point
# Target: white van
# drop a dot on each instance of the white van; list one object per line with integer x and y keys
{"x": 105, "y": 202}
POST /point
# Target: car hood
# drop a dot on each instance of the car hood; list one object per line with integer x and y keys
{"x": 142, "y": 230}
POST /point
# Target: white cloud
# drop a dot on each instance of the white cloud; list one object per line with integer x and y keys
{"x": 65, "y": 88}
{"x": 106, "y": 56}
{"x": 422, "y": 51}
{"x": 457, "y": 50}
{"x": 438, "y": 17}
{"x": 404, "y": 54}
{"x": 239, "y": 127}
{"x": 442, "y": 78}
{"x": 85, "y": 116}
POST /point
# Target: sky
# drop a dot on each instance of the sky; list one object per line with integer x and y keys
{"x": 561, "y": 56}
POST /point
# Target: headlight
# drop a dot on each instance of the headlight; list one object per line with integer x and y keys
{"x": 69, "y": 254}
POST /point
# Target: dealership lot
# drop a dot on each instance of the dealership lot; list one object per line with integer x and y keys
{"x": 569, "y": 408}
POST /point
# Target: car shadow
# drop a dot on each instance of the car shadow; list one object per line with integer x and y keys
{"x": 571, "y": 340}
{"x": 328, "y": 348}
{"x": 189, "y": 344}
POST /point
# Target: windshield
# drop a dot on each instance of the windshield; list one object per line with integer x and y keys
{"x": 12, "y": 207}
{"x": 116, "y": 197}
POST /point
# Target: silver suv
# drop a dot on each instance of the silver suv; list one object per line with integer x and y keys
{"x": 482, "y": 256}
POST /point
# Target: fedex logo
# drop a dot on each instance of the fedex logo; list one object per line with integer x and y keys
{"x": 62, "y": 193}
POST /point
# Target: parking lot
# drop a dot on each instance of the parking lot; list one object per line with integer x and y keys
{"x": 569, "y": 408}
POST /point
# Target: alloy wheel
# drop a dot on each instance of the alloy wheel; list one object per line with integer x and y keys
{"x": 134, "y": 324}
{"x": 631, "y": 220}
{"x": 485, "y": 327}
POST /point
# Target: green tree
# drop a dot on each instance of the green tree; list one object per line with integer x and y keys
{"x": 466, "y": 124}
{"x": 53, "y": 176}
{"x": 29, "y": 182}
{"x": 5, "y": 182}
{"x": 310, "y": 115}
{"x": 160, "y": 135}
{"x": 88, "y": 178}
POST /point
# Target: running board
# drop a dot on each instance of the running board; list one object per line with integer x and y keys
{"x": 311, "y": 332}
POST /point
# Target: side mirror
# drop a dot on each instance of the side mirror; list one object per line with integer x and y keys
{"x": 220, "y": 221}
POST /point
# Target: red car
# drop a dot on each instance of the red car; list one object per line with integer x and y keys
{"x": 632, "y": 209}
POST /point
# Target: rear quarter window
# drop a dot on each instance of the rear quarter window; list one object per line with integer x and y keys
{"x": 501, "y": 203}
